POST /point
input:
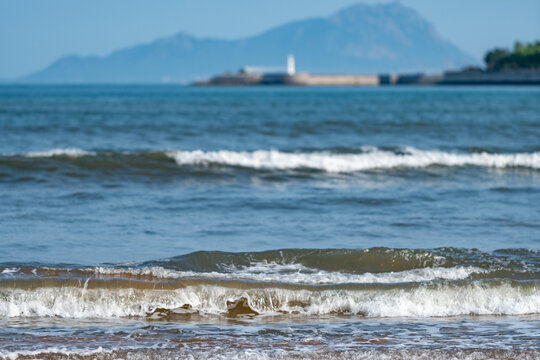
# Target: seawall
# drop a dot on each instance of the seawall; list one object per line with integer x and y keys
{"x": 517, "y": 77}
{"x": 510, "y": 77}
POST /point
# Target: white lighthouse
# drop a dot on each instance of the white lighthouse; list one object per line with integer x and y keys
{"x": 290, "y": 65}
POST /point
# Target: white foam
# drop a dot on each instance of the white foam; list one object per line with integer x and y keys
{"x": 299, "y": 274}
{"x": 343, "y": 163}
{"x": 304, "y": 351}
{"x": 370, "y": 158}
{"x": 9, "y": 271}
{"x": 12, "y": 355}
{"x": 71, "y": 152}
{"x": 428, "y": 300}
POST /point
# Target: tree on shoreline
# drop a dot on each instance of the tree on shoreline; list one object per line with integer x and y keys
{"x": 523, "y": 57}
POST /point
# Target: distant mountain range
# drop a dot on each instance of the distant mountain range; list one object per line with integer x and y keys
{"x": 381, "y": 38}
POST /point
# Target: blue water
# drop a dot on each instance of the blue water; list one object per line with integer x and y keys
{"x": 56, "y": 212}
{"x": 270, "y": 222}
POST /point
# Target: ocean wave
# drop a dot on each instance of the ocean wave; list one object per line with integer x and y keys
{"x": 372, "y": 260}
{"x": 367, "y": 158}
{"x": 106, "y": 299}
{"x": 345, "y": 163}
{"x": 69, "y": 152}
{"x": 298, "y": 274}
{"x": 375, "y": 282}
{"x": 260, "y": 272}
{"x": 357, "y": 261}
{"x": 316, "y": 266}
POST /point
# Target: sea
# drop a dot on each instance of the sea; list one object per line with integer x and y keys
{"x": 176, "y": 222}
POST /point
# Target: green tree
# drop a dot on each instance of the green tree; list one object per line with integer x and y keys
{"x": 523, "y": 57}
{"x": 494, "y": 56}
{"x": 518, "y": 47}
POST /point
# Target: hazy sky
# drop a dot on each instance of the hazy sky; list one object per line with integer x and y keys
{"x": 33, "y": 33}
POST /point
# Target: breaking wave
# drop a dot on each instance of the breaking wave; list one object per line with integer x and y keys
{"x": 260, "y": 272}
{"x": 376, "y": 282}
{"x": 364, "y": 159}
{"x": 105, "y": 298}
{"x": 71, "y": 152}
{"x": 343, "y": 163}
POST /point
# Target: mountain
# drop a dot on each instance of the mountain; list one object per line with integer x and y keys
{"x": 359, "y": 39}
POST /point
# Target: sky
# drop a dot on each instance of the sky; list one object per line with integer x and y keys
{"x": 34, "y": 33}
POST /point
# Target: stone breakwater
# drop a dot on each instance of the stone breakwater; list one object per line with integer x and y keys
{"x": 517, "y": 77}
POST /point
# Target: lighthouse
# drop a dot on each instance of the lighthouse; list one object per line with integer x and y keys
{"x": 290, "y": 65}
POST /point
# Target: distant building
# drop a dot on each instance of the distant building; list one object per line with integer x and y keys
{"x": 274, "y": 70}
{"x": 290, "y": 65}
